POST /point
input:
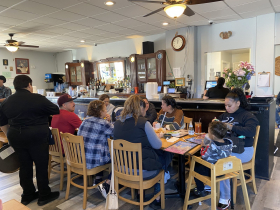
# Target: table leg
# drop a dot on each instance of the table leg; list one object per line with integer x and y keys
{"x": 182, "y": 176}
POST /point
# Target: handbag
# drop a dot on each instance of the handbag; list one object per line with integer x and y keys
{"x": 112, "y": 201}
{"x": 9, "y": 160}
{"x": 237, "y": 143}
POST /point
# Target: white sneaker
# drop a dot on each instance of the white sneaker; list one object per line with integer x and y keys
{"x": 104, "y": 189}
{"x": 207, "y": 188}
{"x": 166, "y": 177}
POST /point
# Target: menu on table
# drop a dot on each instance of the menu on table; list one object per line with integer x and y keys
{"x": 181, "y": 147}
{"x": 197, "y": 139}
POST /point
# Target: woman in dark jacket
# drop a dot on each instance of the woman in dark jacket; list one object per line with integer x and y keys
{"x": 242, "y": 123}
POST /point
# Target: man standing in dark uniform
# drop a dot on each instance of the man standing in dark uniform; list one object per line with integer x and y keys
{"x": 24, "y": 119}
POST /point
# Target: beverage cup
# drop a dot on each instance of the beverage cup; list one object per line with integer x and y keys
{"x": 157, "y": 125}
{"x": 82, "y": 115}
{"x": 136, "y": 90}
{"x": 198, "y": 128}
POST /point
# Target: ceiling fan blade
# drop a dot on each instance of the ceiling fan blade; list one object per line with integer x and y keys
{"x": 158, "y": 10}
{"x": 20, "y": 43}
{"x": 188, "y": 11}
{"x": 156, "y": 2}
{"x": 29, "y": 46}
{"x": 192, "y": 2}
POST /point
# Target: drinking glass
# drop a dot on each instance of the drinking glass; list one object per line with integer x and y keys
{"x": 198, "y": 127}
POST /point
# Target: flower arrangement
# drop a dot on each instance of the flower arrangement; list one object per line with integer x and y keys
{"x": 239, "y": 77}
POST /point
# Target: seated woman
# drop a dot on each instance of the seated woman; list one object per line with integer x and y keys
{"x": 96, "y": 130}
{"x": 170, "y": 114}
{"x": 133, "y": 127}
{"x": 243, "y": 123}
{"x": 109, "y": 107}
{"x": 151, "y": 113}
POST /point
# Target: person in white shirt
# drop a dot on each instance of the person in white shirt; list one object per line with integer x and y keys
{"x": 109, "y": 107}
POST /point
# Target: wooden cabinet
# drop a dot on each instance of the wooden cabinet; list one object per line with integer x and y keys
{"x": 148, "y": 68}
{"x": 79, "y": 73}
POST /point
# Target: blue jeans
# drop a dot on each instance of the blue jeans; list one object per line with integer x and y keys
{"x": 277, "y": 117}
{"x": 245, "y": 157}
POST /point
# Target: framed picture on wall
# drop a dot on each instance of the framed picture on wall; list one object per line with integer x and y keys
{"x": 22, "y": 66}
{"x": 179, "y": 81}
{"x": 5, "y": 62}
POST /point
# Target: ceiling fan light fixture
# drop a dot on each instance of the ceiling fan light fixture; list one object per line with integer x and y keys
{"x": 109, "y": 3}
{"x": 165, "y": 23}
{"x": 12, "y": 48}
{"x": 175, "y": 10}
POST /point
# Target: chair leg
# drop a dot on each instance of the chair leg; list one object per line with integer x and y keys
{"x": 190, "y": 178}
{"x": 132, "y": 193}
{"x": 234, "y": 190}
{"x": 50, "y": 166}
{"x": 254, "y": 180}
{"x": 141, "y": 197}
{"x": 68, "y": 183}
{"x": 213, "y": 193}
{"x": 162, "y": 196}
{"x": 61, "y": 176}
{"x": 90, "y": 180}
{"x": 218, "y": 192}
{"x": 85, "y": 192}
{"x": 244, "y": 189}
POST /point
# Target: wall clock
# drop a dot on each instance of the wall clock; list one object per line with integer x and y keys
{"x": 178, "y": 43}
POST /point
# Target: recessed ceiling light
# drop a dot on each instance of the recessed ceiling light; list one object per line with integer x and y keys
{"x": 109, "y": 3}
{"x": 165, "y": 23}
{"x": 82, "y": 41}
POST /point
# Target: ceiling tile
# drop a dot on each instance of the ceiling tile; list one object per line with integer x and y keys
{"x": 13, "y": 13}
{"x": 46, "y": 34}
{"x": 202, "y": 8}
{"x": 59, "y": 3}
{"x": 73, "y": 26}
{"x": 277, "y": 9}
{"x": 4, "y": 26}
{"x": 91, "y": 22}
{"x": 8, "y": 3}
{"x": 110, "y": 27}
{"x": 128, "y": 23}
{"x": 234, "y": 3}
{"x": 275, "y": 3}
{"x": 93, "y": 31}
{"x": 2, "y": 8}
{"x": 109, "y": 17}
{"x": 153, "y": 18}
{"x": 219, "y": 13}
{"x": 10, "y": 21}
{"x": 36, "y": 8}
{"x": 132, "y": 11}
{"x": 86, "y": 9}
{"x": 257, "y": 13}
{"x": 146, "y": 27}
{"x": 118, "y": 4}
{"x": 58, "y": 30}
{"x": 64, "y": 15}
{"x": 108, "y": 35}
{"x": 65, "y": 38}
{"x": 94, "y": 38}
{"x": 250, "y": 7}
{"x": 185, "y": 19}
{"x": 156, "y": 31}
{"x": 127, "y": 31}
{"x": 149, "y": 6}
{"x": 78, "y": 34}
{"x": 49, "y": 21}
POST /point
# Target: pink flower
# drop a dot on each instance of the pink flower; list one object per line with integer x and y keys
{"x": 229, "y": 74}
{"x": 241, "y": 72}
{"x": 224, "y": 75}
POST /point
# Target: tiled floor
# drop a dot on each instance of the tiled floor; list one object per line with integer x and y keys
{"x": 266, "y": 199}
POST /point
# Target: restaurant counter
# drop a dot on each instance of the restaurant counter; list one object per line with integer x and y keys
{"x": 206, "y": 110}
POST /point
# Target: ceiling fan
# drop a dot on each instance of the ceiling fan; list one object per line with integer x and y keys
{"x": 175, "y": 8}
{"x": 12, "y": 45}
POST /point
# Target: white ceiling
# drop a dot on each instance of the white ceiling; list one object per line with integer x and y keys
{"x": 56, "y": 25}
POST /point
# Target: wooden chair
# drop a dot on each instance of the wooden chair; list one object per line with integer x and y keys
{"x": 56, "y": 155}
{"x": 225, "y": 168}
{"x": 126, "y": 174}
{"x": 76, "y": 162}
{"x": 187, "y": 121}
{"x": 248, "y": 166}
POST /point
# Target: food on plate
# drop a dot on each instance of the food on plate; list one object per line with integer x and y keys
{"x": 160, "y": 130}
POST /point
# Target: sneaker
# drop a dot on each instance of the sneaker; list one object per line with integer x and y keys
{"x": 26, "y": 200}
{"x": 104, "y": 189}
{"x": 275, "y": 149}
{"x": 202, "y": 193}
{"x": 156, "y": 204}
{"x": 166, "y": 177}
{"x": 207, "y": 188}
{"x": 222, "y": 206}
{"x": 97, "y": 181}
{"x": 47, "y": 199}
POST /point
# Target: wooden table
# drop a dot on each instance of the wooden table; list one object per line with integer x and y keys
{"x": 181, "y": 163}
{"x": 14, "y": 205}
{"x": 3, "y": 138}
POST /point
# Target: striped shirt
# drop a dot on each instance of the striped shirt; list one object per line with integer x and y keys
{"x": 175, "y": 120}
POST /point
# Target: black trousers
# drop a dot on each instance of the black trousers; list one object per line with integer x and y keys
{"x": 202, "y": 170}
{"x": 31, "y": 144}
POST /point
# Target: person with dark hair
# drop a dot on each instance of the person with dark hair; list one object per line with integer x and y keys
{"x": 218, "y": 91}
{"x": 5, "y": 92}
{"x": 133, "y": 127}
{"x": 277, "y": 117}
{"x": 151, "y": 113}
{"x": 170, "y": 115}
{"x": 214, "y": 147}
{"x": 242, "y": 123}
{"x": 96, "y": 130}
{"x": 24, "y": 120}
{"x": 110, "y": 107}
{"x": 66, "y": 121}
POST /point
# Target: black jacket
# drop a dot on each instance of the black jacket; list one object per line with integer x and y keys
{"x": 244, "y": 123}
{"x": 26, "y": 109}
{"x": 217, "y": 92}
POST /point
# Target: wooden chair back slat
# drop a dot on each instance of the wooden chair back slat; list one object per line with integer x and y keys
{"x": 125, "y": 163}
{"x": 134, "y": 163}
{"x": 118, "y": 160}
{"x": 130, "y": 162}
{"x": 187, "y": 121}
{"x": 56, "y": 149}
{"x": 227, "y": 165}
{"x": 255, "y": 143}
{"x": 74, "y": 150}
{"x": 122, "y": 161}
